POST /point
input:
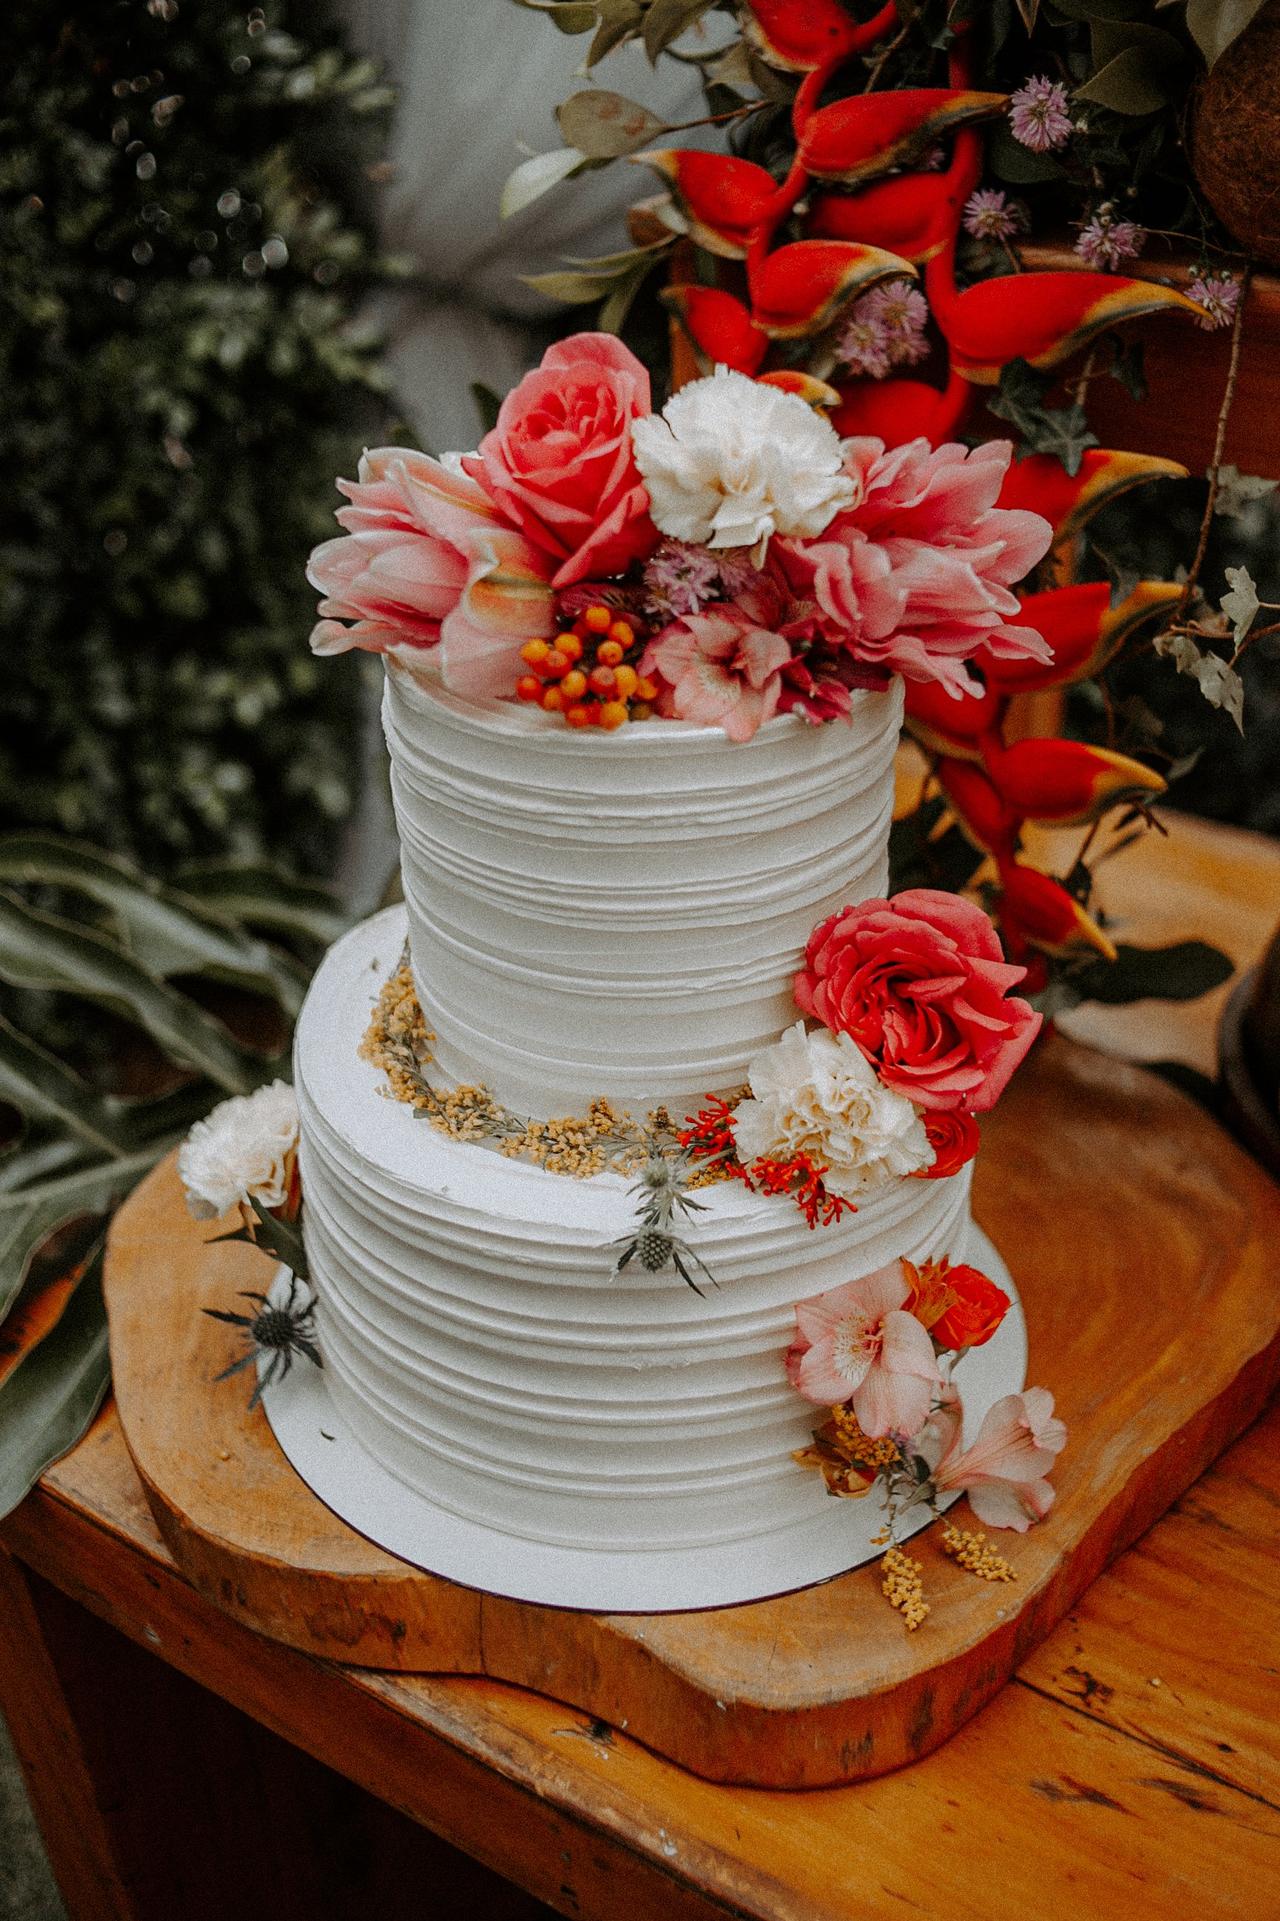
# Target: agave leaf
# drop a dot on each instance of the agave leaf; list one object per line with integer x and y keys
{"x": 41, "y": 1088}
{"x": 28, "y": 1215}
{"x": 39, "y": 950}
{"x": 264, "y": 897}
{"x": 166, "y": 932}
{"x": 53, "y": 1393}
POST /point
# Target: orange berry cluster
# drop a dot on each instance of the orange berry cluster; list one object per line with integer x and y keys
{"x": 588, "y": 672}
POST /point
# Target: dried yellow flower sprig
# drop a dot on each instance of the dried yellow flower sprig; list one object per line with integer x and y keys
{"x": 902, "y": 1587}
{"x": 972, "y": 1552}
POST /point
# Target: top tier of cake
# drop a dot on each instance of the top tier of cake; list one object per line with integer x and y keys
{"x": 621, "y": 914}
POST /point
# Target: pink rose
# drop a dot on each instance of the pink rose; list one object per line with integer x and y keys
{"x": 559, "y": 465}
{"x": 720, "y": 668}
{"x": 920, "y": 983}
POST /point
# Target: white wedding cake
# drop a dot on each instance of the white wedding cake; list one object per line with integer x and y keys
{"x": 596, "y": 916}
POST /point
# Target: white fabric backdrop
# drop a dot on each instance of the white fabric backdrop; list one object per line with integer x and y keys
{"x": 476, "y": 79}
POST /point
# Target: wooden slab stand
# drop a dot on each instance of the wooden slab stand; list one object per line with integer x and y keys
{"x": 1142, "y": 1239}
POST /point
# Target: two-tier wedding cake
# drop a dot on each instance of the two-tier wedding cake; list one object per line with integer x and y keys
{"x": 636, "y": 1147}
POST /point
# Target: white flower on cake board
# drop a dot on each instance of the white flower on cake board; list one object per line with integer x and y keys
{"x": 241, "y": 1152}
{"x": 816, "y": 1093}
{"x": 728, "y": 462}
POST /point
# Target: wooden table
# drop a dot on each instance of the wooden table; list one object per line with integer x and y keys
{"x": 1131, "y": 1768}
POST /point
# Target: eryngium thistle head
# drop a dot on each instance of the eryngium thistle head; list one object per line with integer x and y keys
{"x": 654, "y": 1249}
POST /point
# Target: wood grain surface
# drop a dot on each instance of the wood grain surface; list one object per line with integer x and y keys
{"x": 1142, "y": 1240}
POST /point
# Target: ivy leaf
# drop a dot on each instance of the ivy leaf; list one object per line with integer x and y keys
{"x": 1241, "y": 604}
{"x": 1216, "y": 678}
{"x": 1127, "y": 366}
{"x": 1063, "y": 431}
{"x": 1236, "y": 491}
{"x": 604, "y": 125}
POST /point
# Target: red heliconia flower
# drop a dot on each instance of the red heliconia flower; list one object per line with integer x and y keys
{"x": 987, "y": 820}
{"x": 898, "y": 410}
{"x": 1084, "y": 630}
{"x": 1069, "y": 501}
{"x": 1038, "y": 910}
{"x": 719, "y": 326}
{"x": 806, "y": 387}
{"x": 800, "y": 38}
{"x": 798, "y": 290}
{"x": 1064, "y": 783}
{"x": 911, "y": 214}
{"x": 1042, "y": 317}
{"x": 946, "y": 724}
{"x": 721, "y": 197}
{"x": 872, "y": 134}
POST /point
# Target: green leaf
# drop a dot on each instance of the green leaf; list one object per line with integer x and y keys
{"x": 570, "y": 16}
{"x": 38, "y": 950}
{"x": 619, "y": 20}
{"x": 1214, "y": 24}
{"x": 53, "y": 1393}
{"x": 29, "y": 1215}
{"x": 536, "y": 176}
{"x": 1129, "y": 84}
{"x": 42, "y": 1088}
{"x": 282, "y": 1239}
{"x": 666, "y": 20}
{"x": 265, "y": 897}
{"x": 1063, "y": 431}
{"x": 603, "y": 125}
{"x": 1180, "y": 972}
{"x": 1015, "y": 164}
{"x": 166, "y": 932}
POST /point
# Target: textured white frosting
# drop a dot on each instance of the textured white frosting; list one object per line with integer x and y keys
{"x": 477, "y": 1346}
{"x": 621, "y": 914}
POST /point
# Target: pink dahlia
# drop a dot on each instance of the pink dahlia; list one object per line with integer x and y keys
{"x": 719, "y": 667}
{"x": 856, "y": 1344}
{"x": 918, "y": 574}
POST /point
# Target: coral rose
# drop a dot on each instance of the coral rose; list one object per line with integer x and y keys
{"x": 960, "y": 1306}
{"x": 559, "y": 465}
{"x": 921, "y": 985}
{"x": 953, "y": 1136}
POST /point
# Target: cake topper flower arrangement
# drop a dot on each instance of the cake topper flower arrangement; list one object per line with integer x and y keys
{"x": 725, "y": 560}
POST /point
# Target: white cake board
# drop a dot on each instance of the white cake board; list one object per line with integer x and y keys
{"x": 338, "y": 1469}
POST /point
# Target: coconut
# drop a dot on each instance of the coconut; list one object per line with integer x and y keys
{"x": 1235, "y": 136}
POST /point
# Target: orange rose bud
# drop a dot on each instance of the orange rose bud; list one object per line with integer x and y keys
{"x": 1043, "y": 318}
{"x": 1038, "y": 909}
{"x": 646, "y": 689}
{"x": 624, "y": 633}
{"x": 869, "y": 135}
{"x": 1064, "y": 783}
{"x": 603, "y": 680}
{"x": 976, "y": 1312}
{"x": 953, "y": 1136}
{"x": 574, "y": 684}
{"x": 626, "y": 681}
{"x": 796, "y": 290}
{"x": 552, "y": 700}
{"x": 535, "y": 651}
{"x": 613, "y": 713}
{"x": 598, "y": 619}
{"x": 581, "y": 714}
{"x": 570, "y": 645}
{"x": 609, "y": 653}
{"x": 555, "y": 665}
{"x": 528, "y": 687}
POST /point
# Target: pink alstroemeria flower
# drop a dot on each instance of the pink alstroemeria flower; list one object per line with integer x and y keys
{"x": 721, "y": 668}
{"x": 1004, "y": 1471}
{"x": 856, "y": 1344}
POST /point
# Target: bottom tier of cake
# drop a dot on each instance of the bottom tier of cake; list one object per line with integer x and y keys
{"x": 499, "y": 1408}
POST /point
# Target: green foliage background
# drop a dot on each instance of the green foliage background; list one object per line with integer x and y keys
{"x": 182, "y": 378}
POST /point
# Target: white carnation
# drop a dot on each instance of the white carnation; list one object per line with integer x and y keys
{"x": 728, "y": 462}
{"x": 241, "y": 1152}
{"x": 817, "y": 1094}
